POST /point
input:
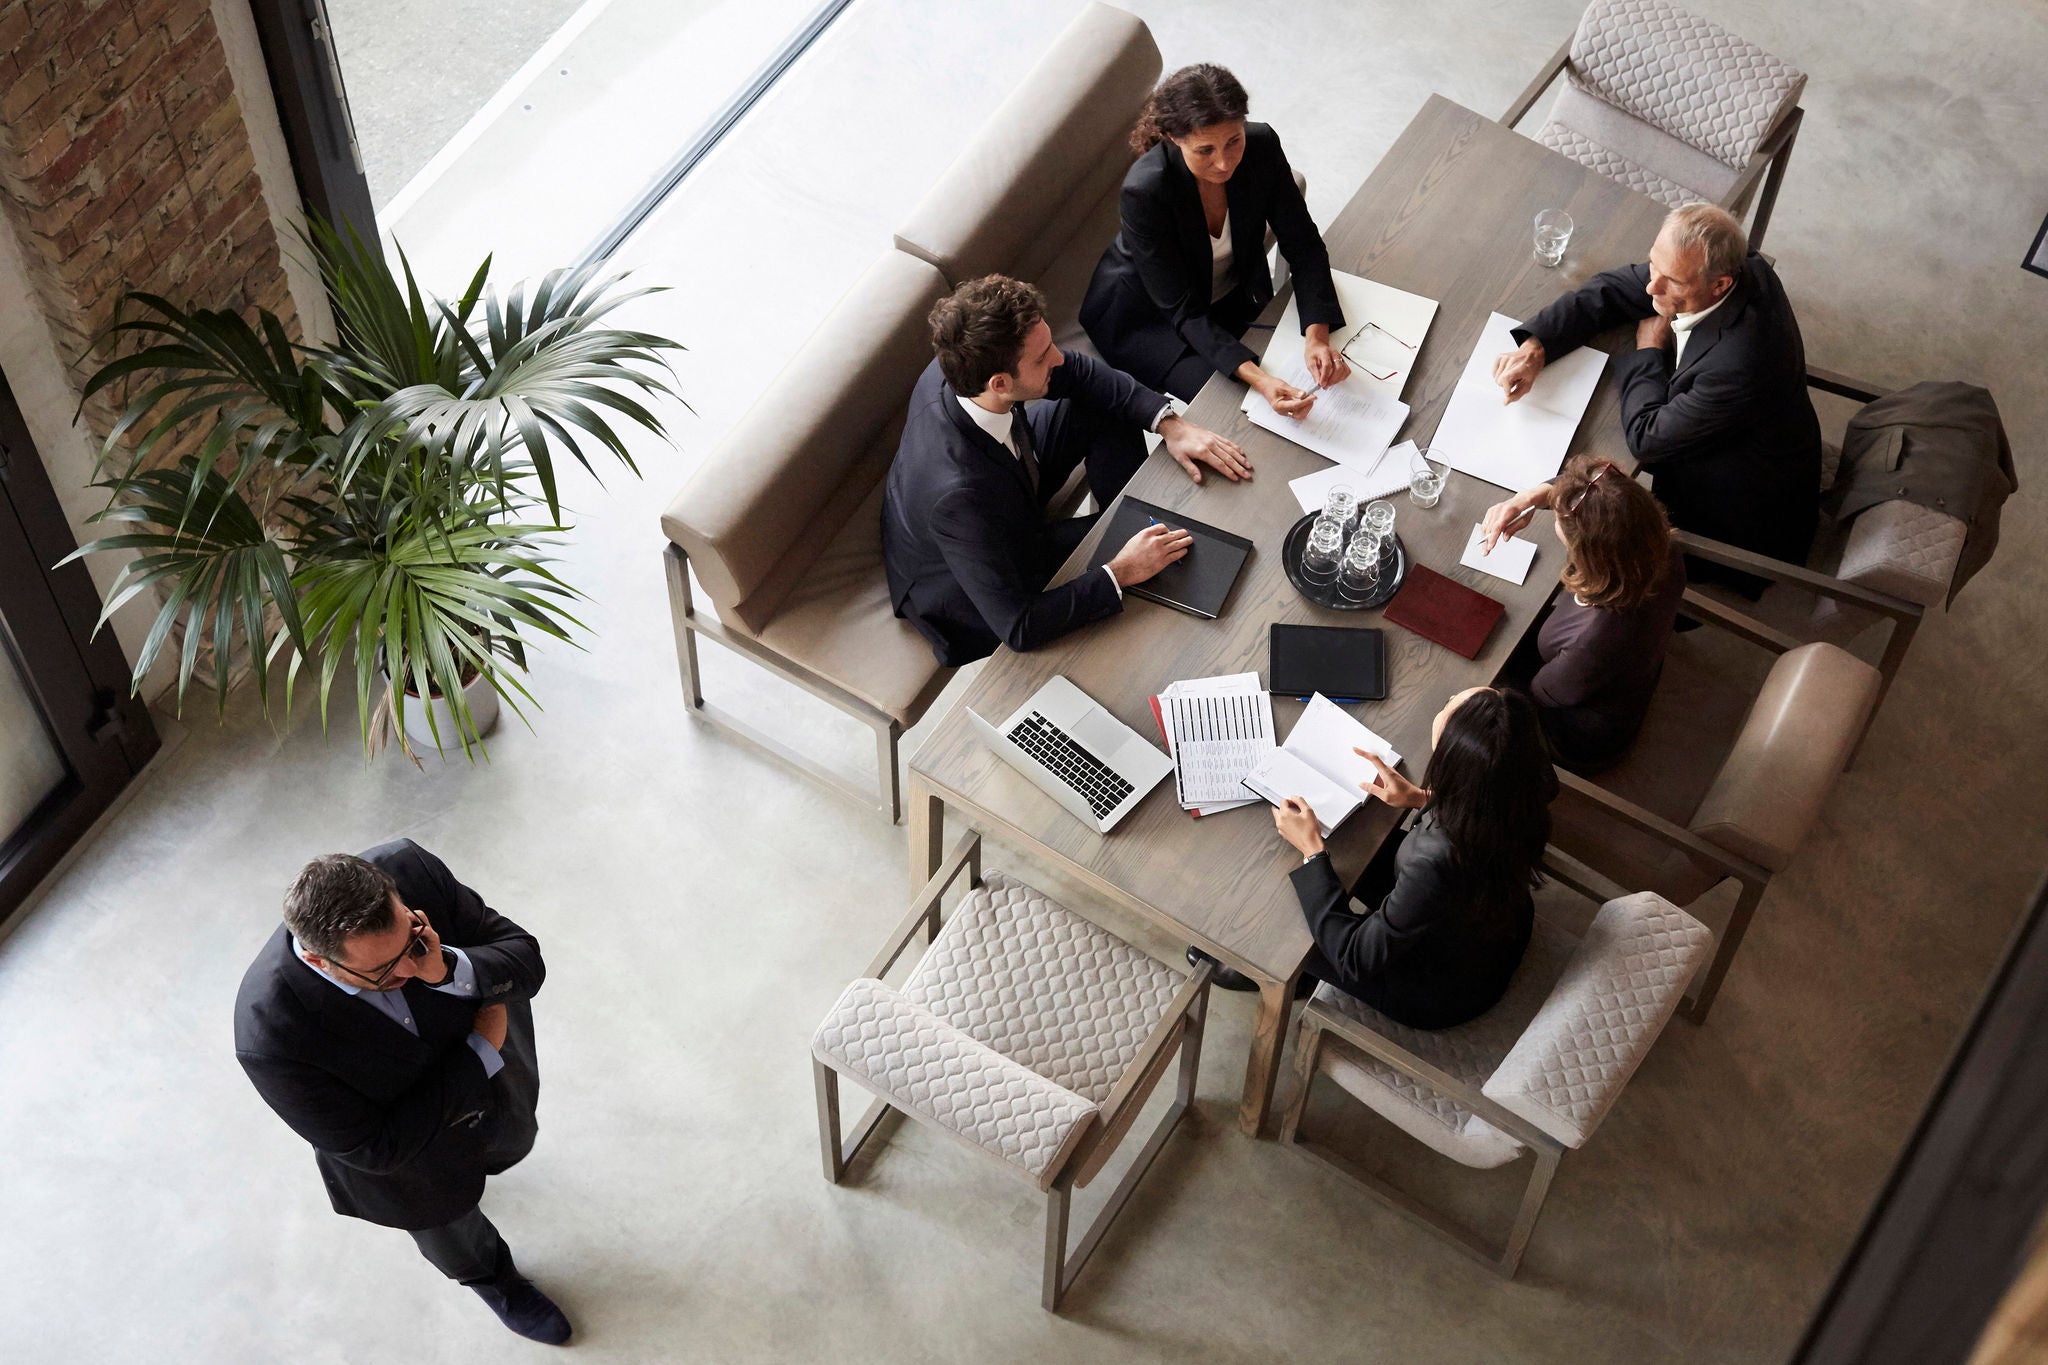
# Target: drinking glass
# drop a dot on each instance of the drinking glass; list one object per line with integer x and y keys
{"x": 1378, "y": 517}
{"x": 1553, "y": 232}
{"x": 1359, "y": 576}
{"x": 1319, "y": 558}
{"x": 1341, "y": 506}
{"x": 1426, "y": 475}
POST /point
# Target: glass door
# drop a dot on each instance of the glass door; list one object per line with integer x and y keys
{"x": 71, "y": 738}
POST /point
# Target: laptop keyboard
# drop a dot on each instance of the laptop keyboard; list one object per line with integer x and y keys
{"x": 1099, "y": 785}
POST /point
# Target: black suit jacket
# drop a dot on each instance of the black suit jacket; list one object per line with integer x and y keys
{"x": 964, "y": 538}
{"x": 1149, "y": 299}
{"x": 1434, "y": 954}
{"x": 401, "y": 1126}
{"x": 1730, "y": 435}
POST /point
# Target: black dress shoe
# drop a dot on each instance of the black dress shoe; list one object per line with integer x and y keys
{"x": 1224, "y": 978}
{"x": 523, "y": 1308}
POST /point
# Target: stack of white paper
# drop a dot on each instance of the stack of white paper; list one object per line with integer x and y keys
{"x": 1318, "y": 763}
{"x": 1217, "y": 730}
{"x": 1520, "y": 444}
{"x": 1351, "y": 422}
{"x": 1383, "y": 331}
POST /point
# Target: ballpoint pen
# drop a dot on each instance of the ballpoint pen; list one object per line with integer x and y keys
{"x": 1342, "y": 701}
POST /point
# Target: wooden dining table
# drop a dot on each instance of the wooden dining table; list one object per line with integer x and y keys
{"x": 1448, "y": 213}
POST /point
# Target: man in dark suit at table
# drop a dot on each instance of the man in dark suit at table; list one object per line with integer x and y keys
{"x": 1713, "y": 398}
{"x": 386, "y": 1021}
{"x": 965, "y": 538}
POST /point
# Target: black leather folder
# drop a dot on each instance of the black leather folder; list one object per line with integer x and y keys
{"x": 1200, "y": 581}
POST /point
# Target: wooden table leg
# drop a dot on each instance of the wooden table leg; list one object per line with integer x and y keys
{"x": 1262, "y": 1068}
{"x": 927, "y": 833}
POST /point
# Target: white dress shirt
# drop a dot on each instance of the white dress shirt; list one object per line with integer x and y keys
{"x": 1682, "y": 325}
{"x": 998, "y": 425}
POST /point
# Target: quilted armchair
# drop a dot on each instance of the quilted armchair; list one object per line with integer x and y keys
{"x": 1672, "y": 106}
{"x": 1026, "y": 1034}
{"x": 1536, "y": 1073}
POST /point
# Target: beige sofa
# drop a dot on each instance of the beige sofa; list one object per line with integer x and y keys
{"x": 781, "y": 524}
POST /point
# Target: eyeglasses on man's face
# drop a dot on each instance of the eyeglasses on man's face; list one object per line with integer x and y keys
{"x": 415, "y": 946}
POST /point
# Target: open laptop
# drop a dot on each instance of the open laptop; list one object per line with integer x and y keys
{"x": 1077, "y": 753}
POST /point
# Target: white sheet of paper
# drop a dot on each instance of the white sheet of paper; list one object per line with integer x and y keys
{"x": 1351, "y": 422}
{"x": 1281, "y": 775}
{"x": 1521, "y": 444}
{"x": 1374, "y": 479}
{"x": 1324, "y": 738}
{"x": 1400, "y": 313}
{"x": 1510, "y": 559}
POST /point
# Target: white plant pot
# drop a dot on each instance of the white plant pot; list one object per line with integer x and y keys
{"x": 482, "y": 699}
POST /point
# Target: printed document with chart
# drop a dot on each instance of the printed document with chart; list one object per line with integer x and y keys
{"x": 1216, "y": 729}
{"x": 1520, "y": 444}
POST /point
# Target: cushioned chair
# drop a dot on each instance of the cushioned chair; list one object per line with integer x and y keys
{"x": 1692, "y": 807}
{"x": 1672, "y": 106}
{"x": 782, "y": 525}
{"x": 1536, "y": 1073}
{"x": 1025, "y": 1033}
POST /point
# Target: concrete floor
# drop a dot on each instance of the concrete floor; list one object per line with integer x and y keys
{"x": 700, "y": 907}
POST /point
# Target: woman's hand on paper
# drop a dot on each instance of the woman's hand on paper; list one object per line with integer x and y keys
{"x": 1505, "y": 518}
{"x": 1296, "y": 821}
{"x": 1326, "y": 364}
{"x": 1391, "y": 787}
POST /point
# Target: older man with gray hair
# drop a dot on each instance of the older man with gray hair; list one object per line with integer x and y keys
{"x": 1713, "y": 398}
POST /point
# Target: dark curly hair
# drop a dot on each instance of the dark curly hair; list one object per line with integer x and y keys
{"x": 978, "y": 330}
{"x": 1491, "y": 783}
{"x": 1198, "y": 96}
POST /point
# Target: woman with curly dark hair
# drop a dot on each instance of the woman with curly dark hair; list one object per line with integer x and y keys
{"x": 1186, "y": 275}
{"x": 1449, "y": 910}
{"x": 1593, "y": 660}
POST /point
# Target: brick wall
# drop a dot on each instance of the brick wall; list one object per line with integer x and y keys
{"x": 125, "y": 164}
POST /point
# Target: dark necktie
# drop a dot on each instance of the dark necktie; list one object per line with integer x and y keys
{"x": 1020, "y": 436}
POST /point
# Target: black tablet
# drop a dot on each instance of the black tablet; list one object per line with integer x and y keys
{"x": 1344, "y": 663}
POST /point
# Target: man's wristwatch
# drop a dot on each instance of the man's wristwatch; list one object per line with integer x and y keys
{"x": 447, "y": 965}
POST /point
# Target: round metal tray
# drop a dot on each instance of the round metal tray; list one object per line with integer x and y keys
{"x": 1326, "y": 595}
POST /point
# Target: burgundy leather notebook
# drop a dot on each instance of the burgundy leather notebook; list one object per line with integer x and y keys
{"x": 1444, "y": 610}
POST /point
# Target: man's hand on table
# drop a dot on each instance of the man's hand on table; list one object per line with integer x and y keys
{"x": 1148, "y": 552}
{"x": 1192, "y": 447}
{"x": 1516, "y": 370}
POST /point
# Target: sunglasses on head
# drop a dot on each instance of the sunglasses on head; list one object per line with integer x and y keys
{"x": 1580, "y": 497}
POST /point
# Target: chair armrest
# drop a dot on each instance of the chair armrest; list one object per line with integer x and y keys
{"x": 1780, "y": 138}
{"x": 1580, "y": 877}
{"x": 1657, "y": 827}
{"x": 965, "y": 853}
{"x": 1120, "y": 1110}
{"x": 1841, "y": 385}
{"x": 1385, "y": 1049}
{"x": 1739, "y": 623}
{"x": 1715, "y": 552}
{"x": 1520, "y": 108}
{"x": 925, "y": 1066}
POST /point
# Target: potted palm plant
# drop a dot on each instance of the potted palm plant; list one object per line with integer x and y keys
{"x": 387, "y": 502}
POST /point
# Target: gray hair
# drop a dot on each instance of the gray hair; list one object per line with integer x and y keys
{"x": 1713, "y": 230}
{"x": 335, "y": 897}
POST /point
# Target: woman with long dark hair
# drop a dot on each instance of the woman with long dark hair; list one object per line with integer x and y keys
{"x": 1593, "y": 660}
{"x": 1187, "y": 272}
{"x": 1450, "y": 911}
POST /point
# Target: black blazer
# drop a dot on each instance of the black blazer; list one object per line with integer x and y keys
{"x": 400, "y": 1125}
{"x": 1731, "y": 434}
{"x": 1434, "y": 954}
{"x": 1149, "y": 300}
{"x": 964, "y": 539}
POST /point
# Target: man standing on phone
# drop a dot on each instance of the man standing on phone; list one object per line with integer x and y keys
{"x": 387, "y": 1022}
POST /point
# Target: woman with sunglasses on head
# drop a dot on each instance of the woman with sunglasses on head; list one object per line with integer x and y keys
{"x": 1592, "y": 662}
{"x": 1449, "y": 907}
{"x": 1179, "y": 287}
